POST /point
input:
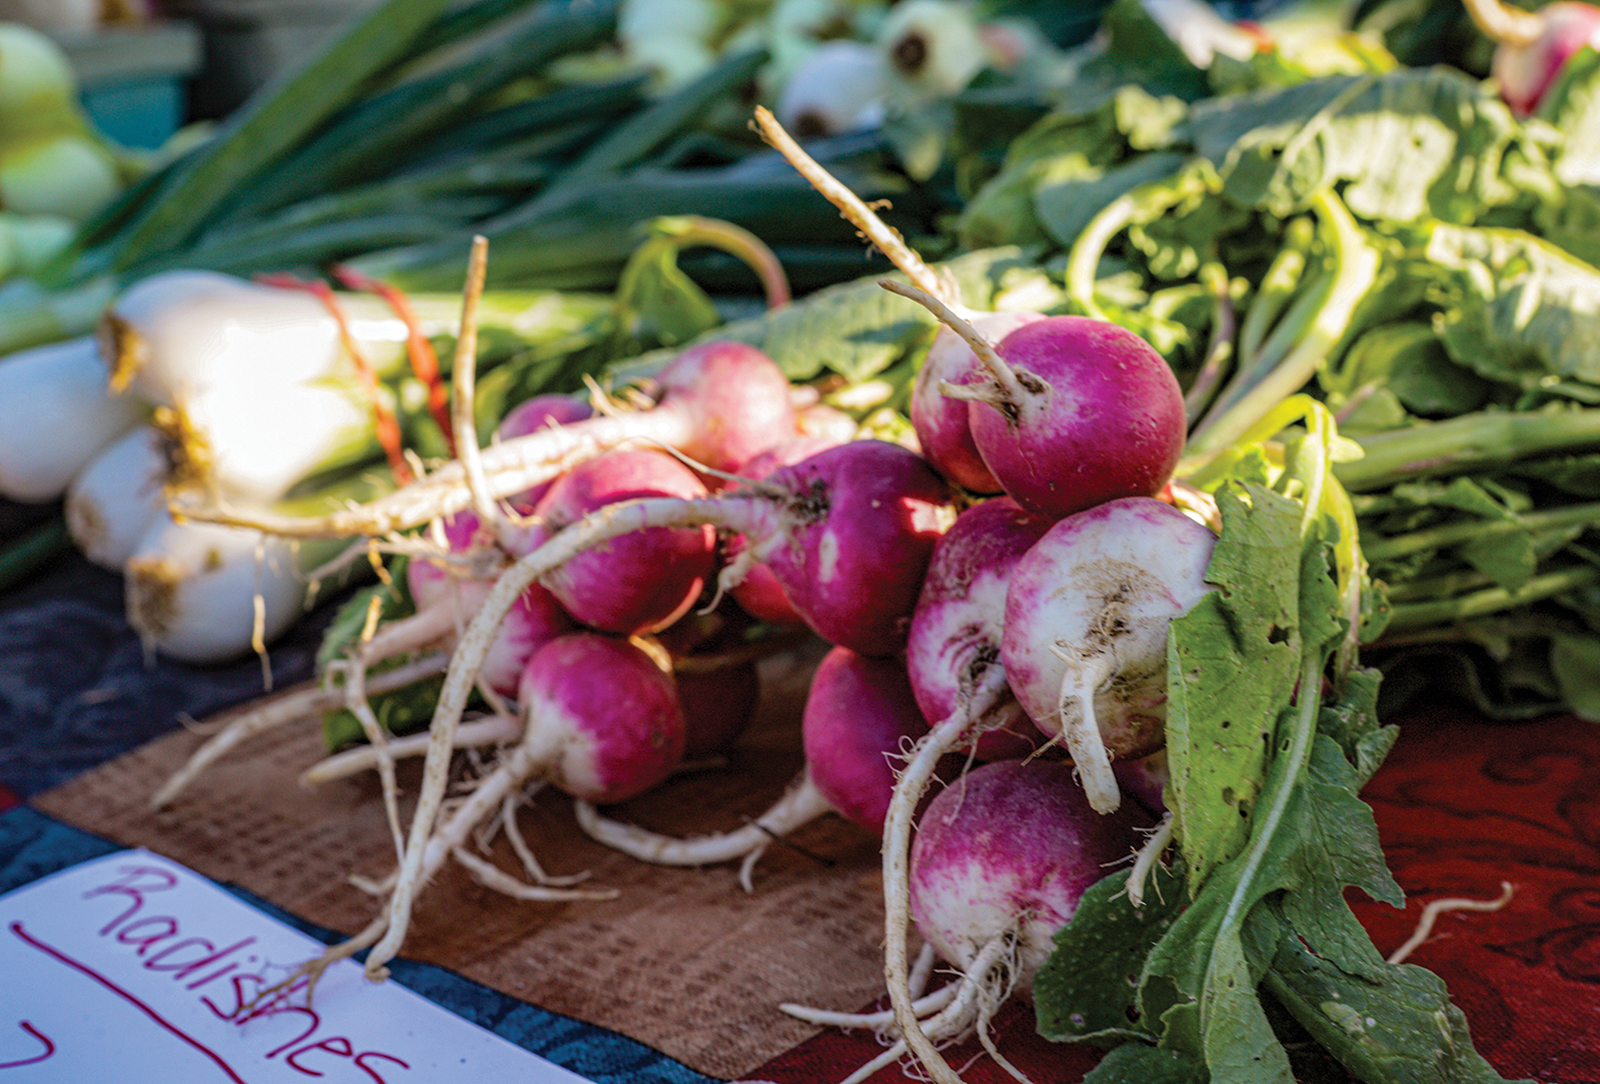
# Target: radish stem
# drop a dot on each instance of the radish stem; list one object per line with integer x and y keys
{"x": 1008, "y": 390}
{"x": 856, "y": 212}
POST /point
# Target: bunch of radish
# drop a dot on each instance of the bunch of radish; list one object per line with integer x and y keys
{"x": 1018, "y": 612}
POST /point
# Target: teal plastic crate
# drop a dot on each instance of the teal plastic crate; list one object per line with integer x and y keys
{"x": 133, "y": 80}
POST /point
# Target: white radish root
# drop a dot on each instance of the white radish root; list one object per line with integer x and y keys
{"x": 800, "y": 804}
{"x": 291, "y": 707}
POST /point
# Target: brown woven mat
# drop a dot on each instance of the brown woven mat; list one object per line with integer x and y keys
{"x": 683, "y": 960}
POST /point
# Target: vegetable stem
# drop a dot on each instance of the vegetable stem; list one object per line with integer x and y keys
{"x": 1478, "y": 441}
{"x": 1490, "y": 600}
{"x": 1356, "y": 266}
{"x": 855, "y": 211}
{"x": 1452, "y": 534}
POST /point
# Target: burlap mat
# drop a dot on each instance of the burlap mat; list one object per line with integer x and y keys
{"x": 684, "y": 960}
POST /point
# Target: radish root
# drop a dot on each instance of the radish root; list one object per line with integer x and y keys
{"x": 1081, "y": 731}
{"x": 800, "y": 804}
{"x": 897, "y": 829}
{"x": 286, "y": 708}
{"x": 1433, "y": 910}
{"x": 950, "y": 1014}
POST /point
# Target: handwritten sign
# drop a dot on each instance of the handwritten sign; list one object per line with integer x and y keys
{"x": 131, "y": 968}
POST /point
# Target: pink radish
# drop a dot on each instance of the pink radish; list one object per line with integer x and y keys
{"x": 542, "y": 412}
{"x": 447, "y": 594}
{"x": 859, "y": 714}
{"x": 536, "y": 415}
{"x": 954, "y": 661}
{"x": 1071, "y": 411}
{"x": 639, "y": 582}
{"x": 1008, "y": 849}
{"x": 1532, "y": 47}
{"x": 942, "y": 423}
{"x": 718, "y": 705}
{"x": 1002, "y": 857}
{"x": 852, "y": 544}
{"x": 851, "y": 529}
{"x": 603, "y": 719}
{"x": 600, "y": 720}
{"x": 1145, "y": 780}
{"x": 1087, "y": 615}
{"x": 943, "y": 428}
{"x": 958, "y": 624}
{"x": 760, "y": 592}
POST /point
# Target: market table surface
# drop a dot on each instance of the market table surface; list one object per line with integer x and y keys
{"x": 678, "y": 979}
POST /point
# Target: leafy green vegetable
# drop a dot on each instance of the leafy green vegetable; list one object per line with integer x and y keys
{"x": 1250, "y": 919}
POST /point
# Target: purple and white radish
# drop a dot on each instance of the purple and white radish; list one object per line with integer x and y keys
{"x": 1002, "y": 857}
{"x": 852, "y": 526}
{"x": 1087, "y": 616}
{"x": 942, "y": 422}
{"x": 719, "y": 680}
{"x": 954, "y": 662}
{"x": 448, "y": 590}
{"x": 942, "y": 427}
{"x": 1070, "y": 411}
{"x": 759, "y": 591}
{"x": 852, "y": 538}
{"x": 953, "y": 647}
{"x": 600, "y": 720}
{"x": 638, "y": 582}
{"x": 602, "y": 717}
{"x": 533, "y": 416}
{"x": 859, "y": 715}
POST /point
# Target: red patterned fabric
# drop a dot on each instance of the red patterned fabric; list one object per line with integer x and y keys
{"x": 1462, "y": 805}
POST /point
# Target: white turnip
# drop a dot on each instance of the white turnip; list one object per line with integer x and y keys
{"x": 1087, "y": 616}
{"x": 718, "y": 403}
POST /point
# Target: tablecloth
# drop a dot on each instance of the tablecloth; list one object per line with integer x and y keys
{"x": 1463, "y": 804}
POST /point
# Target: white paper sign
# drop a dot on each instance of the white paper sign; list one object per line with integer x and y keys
{"x": 131, "y": 968}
